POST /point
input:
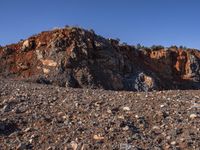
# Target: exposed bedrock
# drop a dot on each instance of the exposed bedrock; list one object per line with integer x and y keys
{"x": 79, "y": 58}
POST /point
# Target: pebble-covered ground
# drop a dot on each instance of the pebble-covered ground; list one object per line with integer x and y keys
{"x": 36, "y": 116}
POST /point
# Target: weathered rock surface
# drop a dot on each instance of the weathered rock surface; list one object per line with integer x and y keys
{"x": 75, "y": 57}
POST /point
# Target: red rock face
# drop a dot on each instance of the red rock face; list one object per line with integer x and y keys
{"x": 79, "y": 58}
{"x": 174, "y": 64}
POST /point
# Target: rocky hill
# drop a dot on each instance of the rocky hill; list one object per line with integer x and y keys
{"x": 74, "y": 57}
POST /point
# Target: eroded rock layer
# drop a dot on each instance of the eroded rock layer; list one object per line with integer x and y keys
{"x": 79, "y": 58}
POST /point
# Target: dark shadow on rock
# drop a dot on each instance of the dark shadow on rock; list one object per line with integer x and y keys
{"x": 7, "y": 128}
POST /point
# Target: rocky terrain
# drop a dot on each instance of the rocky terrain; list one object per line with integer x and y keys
{"x": 74, "y": 57}
{"x": 36, "y": 116}
{"x": 71, "y": 89}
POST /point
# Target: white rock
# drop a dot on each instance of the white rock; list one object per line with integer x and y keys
{"x": 121, "y": 117}
{"x": 126, "y": 108}
{"x": 46, "y": 71}
{"x": 74, "y": 145}
{"x": 126, "y": 128}
{"x": 156, "y": 127}
{"x": 26, "y": 44}
{"x": 162, "y": 106}
{"x": 98, "y": 137}
{"x": 136, "y": 116}
{"x": 173, "y": 143}
{"x": 193, "y": 116}
{"x": 109, "y": 111}
{"x": 27, "y": 129}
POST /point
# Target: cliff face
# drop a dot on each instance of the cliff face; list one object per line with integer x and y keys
{"x": 75, "y": 57}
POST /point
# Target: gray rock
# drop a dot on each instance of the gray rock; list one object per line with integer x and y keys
{"x": 6, "y": 108}
{"x": 8, "y": 51}
{"x": 142, "y": 85}
{"x": 21, "y": 146}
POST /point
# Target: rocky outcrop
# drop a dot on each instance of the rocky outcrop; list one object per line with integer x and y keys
{"x": 75, "y": 57}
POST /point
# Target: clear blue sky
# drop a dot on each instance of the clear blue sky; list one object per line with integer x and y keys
{"x": 164, "y": 22}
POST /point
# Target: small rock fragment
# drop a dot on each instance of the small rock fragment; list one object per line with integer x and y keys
{"x": 46, "y": 71}
{"x": 6, "y": 108}
{"x": 98, "y": 137}
{"x": 156, "y": 127}
{"x": 193, "y": 116}
{"x": 126, "y": 108}
{"x": 74, "y": 145}
{"x": 27, "y": 129}
{"x": 125, "y": 128}
{"x": 121, "y": 117}
{"x": 109, "y": 111}
{"x": 173, "y": 143}
{"x": 21, "y": 146}
{"x": 162, "y": 106}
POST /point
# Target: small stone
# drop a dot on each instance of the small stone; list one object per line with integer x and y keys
{"x": 193, "y": 116}
{"x": 156, "y": 128}
{"x": 25, "y": 45}
{"x": 173, "y": 143}
{"x": 33, "y": 136}
{"x": 126, "y": 108}
{"x": 168, "y": 137}
{"x": 162, "y": 106}
{"x": 121, "y": 117}
{"x": 21, "y": 146}
{"x": 46, "y": 71}
{"x": 60, "y": 113}
{"x": 109, "y": 111}
{"x": 74, "y": 145}
{"x": 84, "y": 147}
{"x": 6, "y": 108}
{"x": 49, "y": 148}
{"x": 27, "y": 129}
{"x": 125, "y": 128}
{"x": 66, "y": 122}
{"x": 64, "y": 117}
{"x": 98, "y": 137}
{"x": 167, "y": 146}
{"x": 31, "y": 140}
{"x": 136, "y": 116}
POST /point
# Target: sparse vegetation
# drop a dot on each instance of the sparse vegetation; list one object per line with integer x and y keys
{"x": 157, "y": 47}
{"x": 138, "y": 46}
{"x": 183, "y": 47}
{"x": 173, "y": 47}
{"x": 67, "y": 26}
{"x": 92, "y": 31}
{"x": 124, "y": 43}
{"x": 117, "y": 39}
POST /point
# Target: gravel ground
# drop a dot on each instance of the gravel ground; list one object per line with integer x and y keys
{"x": 36, "y": 116}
